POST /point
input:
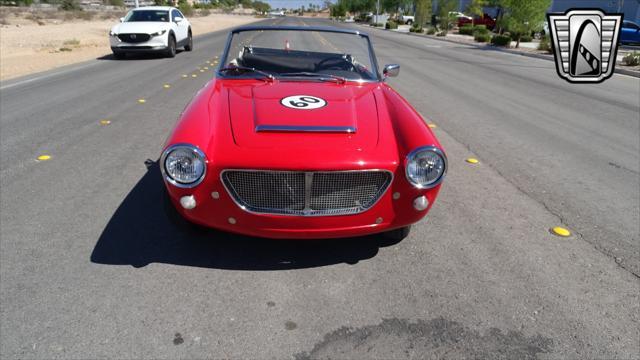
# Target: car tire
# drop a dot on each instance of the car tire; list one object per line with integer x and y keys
{"x": 119, "y": 55}
{"x": 189, "y": 45}
{"x": 397, "y": 235}
{"x": 171, "y": 46}
{"x": 409, "y": 22}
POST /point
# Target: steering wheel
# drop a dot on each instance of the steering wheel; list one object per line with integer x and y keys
{"x": 339, "y": 62}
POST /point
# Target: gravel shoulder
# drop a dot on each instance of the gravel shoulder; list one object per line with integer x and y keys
{"x": 27, "y": 47}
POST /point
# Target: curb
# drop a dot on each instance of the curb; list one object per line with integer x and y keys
{"x": 494, "y": 48}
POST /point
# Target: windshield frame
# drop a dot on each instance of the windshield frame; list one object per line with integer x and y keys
{"x": 142, "y": 9}
{"x": 225, "y": 54}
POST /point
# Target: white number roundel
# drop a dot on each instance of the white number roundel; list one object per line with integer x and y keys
{"x": 303, "y": 102}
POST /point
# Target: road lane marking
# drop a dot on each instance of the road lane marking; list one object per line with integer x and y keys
{"x": 560, "y": 231}
{"x": 433, "y": 126}
{"x": 166, "y": 86}
{"x": 472, "y": 160}
{"x": 43, "y": 157}
{"x": 142, "y": 101}
{"x": 105, "y": 122}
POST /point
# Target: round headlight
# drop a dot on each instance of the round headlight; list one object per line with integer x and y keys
{"x": 184, "y": 165}
{"x": 426, "y": 167}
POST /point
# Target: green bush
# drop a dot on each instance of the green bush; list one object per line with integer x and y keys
{"x": 442, "y": 33}
{"x": 431, "y": 31}
{"x": 391, "y": 25}
{"x": 483, "y": 38}
{"x": 377, "y": 24}
{"x": 480, "y": 29}
{"x": 631, "y": 59}
{"x": 466, "y": 30}
{"x": 416, "y": 28}
{"x": 501, "y": 40}
{"x": 545, "y": 44}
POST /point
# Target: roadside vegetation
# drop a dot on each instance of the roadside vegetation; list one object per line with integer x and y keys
{"x": 516, "y": 21}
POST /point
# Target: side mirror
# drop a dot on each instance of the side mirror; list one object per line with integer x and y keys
{"x": 177, "y": 19}
{"x": 391, "y": 70}
{"x": 121, "y": 19}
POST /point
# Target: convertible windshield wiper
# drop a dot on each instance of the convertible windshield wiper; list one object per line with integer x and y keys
{"x": 338, "y": 79}
{"x": 270, "y": 77}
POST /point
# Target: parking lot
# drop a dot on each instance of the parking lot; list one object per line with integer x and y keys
{"x": 90, "y": 267}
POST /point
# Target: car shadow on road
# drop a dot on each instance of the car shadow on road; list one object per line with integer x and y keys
{"x": 137, "y": 56}
{"x": 140, "y": 233}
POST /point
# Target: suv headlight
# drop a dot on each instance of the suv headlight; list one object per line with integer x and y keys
{"x": 158, "y": 33}
{"x": 183, "y": 165}
{"x": 426, "y": 167}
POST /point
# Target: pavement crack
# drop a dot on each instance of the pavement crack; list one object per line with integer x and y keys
{"x": 561, "y": 218}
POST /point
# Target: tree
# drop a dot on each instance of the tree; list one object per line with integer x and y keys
{"x": 524, "y": 16}
{"x": 445, "y": 7}
{"x": 261, "y": 7}
{"x": 476, "y": 8}
{"x": 423, "y": 12}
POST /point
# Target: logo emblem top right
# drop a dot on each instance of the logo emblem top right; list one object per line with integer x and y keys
{"x": 585, "y": 44}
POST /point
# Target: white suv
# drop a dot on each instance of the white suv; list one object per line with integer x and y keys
{"x": 151, "y": 29}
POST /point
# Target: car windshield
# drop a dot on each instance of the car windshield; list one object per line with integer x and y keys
{"x": 307, "y": 55}
{"x": 147, "y": 15}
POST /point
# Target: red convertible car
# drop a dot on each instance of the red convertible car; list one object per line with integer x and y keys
{"x": 298, "y": 136}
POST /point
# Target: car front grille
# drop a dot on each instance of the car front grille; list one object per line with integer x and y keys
{"x": 134, "y": 38}
{"x": 306, "y": 193}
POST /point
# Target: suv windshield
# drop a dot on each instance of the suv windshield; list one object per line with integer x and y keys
{"x": 147, "y": 15}
{"x": 302, "y": 54}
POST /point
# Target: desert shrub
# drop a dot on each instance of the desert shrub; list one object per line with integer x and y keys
{"x": 466, "y": 30}
{"x": 431, "y": 31}
{"x": 525, "y": 38}
{"x": 416, "y": 28}
{"x": 377, "y": 24}
{"x": 391, "y": 25}
{"x": 501, "y": 40}
{"x": 70, "y": 5}
{"x": 71, "y": 42}
{"x": 545, "y": 44}
{"x": 483, "y": 38}
{"x": 65, "y": 49}
{"x": 204, "y": 12}
{"x": 185, "y": 8}
{"x": 442, "y": 33}
{"x": 631, "y": 59}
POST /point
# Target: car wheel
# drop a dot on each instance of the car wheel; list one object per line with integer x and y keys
{"x": 119, "y": 55}
{"x": 171, "y": 46}
{"x": 409, "y": 22}
{"x": 189, "y": 45}
{"x": 397, "y": 235}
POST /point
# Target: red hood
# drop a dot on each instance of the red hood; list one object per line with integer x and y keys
{"x": 254, "y": 107}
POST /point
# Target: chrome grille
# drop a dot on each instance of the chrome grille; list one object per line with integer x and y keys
{"x": 306, "y": 193}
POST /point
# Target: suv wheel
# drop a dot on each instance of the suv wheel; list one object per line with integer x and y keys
{"x": 171, "y": 46}
{"x": 189, "y": 45}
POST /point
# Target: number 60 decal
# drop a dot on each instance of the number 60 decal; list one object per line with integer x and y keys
{"x": 303, "y": 102}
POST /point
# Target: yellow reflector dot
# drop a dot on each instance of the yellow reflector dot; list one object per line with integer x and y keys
{"x": 560, "y": 231}
{"x": 44, "y": 157}
{"x": 166, "y": 86}
{"x": 206, "y": 68}
{"x": 185, "y": 75}
{"x": 433, "y": 126}
{"x": 105, "y": 122}
{"x": 194, "y": 75}
{"x": 472, "y": 161}
{"x": 201, "y": 70}
{"x": 142, "y": 101}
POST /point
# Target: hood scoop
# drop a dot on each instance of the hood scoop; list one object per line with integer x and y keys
{"x": 275, "y": 110}
{"x": 306, "y": 128}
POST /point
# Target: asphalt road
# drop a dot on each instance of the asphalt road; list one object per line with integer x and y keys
{"x": 91, "y": 268}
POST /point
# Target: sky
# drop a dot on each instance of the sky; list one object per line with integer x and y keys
{"x": 293, "y": 4}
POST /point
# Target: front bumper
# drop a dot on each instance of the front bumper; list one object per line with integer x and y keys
{"x": 216, "y": 208}
{"x": 157, "y": 43}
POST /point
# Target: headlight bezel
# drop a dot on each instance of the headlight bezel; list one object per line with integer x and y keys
{"x": 192, "y": 148}
{"x": 112, "y": 33}
{"x": 158, "y": 33}
{"x": 410, "y": 157}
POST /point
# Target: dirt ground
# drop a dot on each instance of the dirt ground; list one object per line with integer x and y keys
{"x": 30, "y": 44}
